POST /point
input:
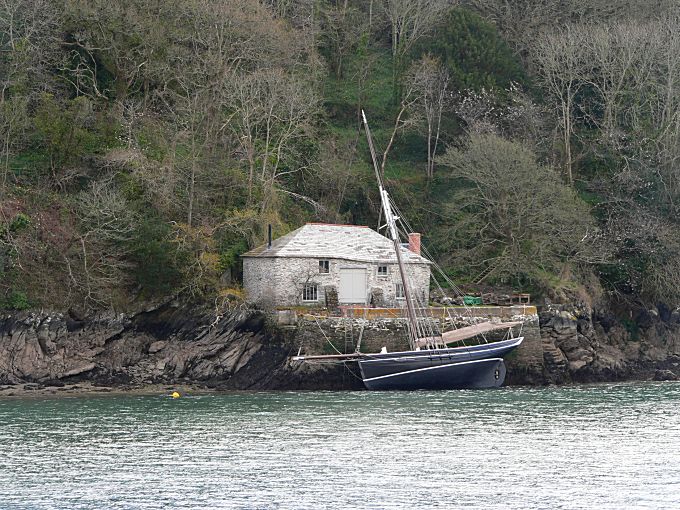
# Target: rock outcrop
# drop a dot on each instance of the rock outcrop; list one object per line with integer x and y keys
{"x": 178, "y": 344}
{"x": 171, "y": 344}
{"x": 582, "y": 346}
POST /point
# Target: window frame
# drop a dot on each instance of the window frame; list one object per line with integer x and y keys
{"x": 381, "y": 274}
{"x": 306, "y": 289}
{"x": 324, "y": 264}
{"x": 401, "y": 297}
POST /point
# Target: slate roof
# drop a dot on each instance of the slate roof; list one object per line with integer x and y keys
{"x": 326, "y": 241}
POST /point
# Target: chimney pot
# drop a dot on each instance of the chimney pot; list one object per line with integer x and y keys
{"x": 414, "y": 242}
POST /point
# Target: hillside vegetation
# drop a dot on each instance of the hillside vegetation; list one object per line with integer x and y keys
{"x": 145, "y": 144}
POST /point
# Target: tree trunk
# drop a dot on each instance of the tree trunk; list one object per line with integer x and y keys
{"x": 566, "y": 118}
{"x": 429, "y": 149}
{"x": 436, "y": 137}
{"x": 192, "y": 183}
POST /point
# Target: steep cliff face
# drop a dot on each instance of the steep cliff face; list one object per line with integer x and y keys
{"x": 171, "y": 344}
{"x": 176, "y": 344}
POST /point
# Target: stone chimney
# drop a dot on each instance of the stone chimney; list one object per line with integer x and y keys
{"x": 414, "y": 242}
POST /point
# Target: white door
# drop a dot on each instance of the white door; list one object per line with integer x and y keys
{"x": 352, "y": 286}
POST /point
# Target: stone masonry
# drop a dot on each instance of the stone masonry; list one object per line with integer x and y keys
{"x": 279, "y": 282}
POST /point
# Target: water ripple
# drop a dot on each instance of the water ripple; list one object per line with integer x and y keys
{"x": 605, "y": 446}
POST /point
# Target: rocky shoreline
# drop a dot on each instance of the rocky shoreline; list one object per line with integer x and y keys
{"x": 172, "y": 344}
{"x": 178, "y": 346}
{"x": 582, "y": 345}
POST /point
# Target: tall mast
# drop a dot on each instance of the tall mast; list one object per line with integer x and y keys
{"x": 394, "y": 234}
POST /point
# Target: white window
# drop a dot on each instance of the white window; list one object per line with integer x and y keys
{"x": 382, "y": 270}
{"x": 310, "y": 292}
{"x": 324, "y": 267}
{"x": 399, "y": 291}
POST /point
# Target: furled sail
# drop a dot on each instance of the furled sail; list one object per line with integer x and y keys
{"x": 466, "y": 332}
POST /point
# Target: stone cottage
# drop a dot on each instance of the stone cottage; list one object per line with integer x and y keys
{"x": 326, "y": 265}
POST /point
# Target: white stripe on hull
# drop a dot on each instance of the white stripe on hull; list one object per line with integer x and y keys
{"x": 486, "y": 360}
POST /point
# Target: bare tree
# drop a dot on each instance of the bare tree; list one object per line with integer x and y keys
{"x": 98, "y": 264}
{"x": 28, "y": 44}
{"x": 406, "y": 118}
{"x": 410, "y": 21}
{"x": 666, "y": 82}
{"x": 212, "y": 88}
{"x": 271, "y": 113}
{"x": 523, "y": 21}
{"x": 560, "y": 61}
{"x": 14, "y": 121}
{"x": 616, "y": 53}
{"x": 343, "y": 27}
{"x": 631, "y": 72}
{"x": 430, "y": 81}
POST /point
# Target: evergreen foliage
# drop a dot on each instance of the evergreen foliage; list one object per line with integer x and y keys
{"x": 474, "y": 53}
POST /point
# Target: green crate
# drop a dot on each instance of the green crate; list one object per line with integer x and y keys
{"x": 472, "y": 300}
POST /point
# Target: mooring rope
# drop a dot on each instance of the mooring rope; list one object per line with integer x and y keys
{"x": 324, "y": 335}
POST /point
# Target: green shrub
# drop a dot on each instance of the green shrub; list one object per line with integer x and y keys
{"x": 19, "y": 222}
{"x": 16, "y": 300}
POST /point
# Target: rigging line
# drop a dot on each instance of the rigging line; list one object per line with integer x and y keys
{"x": 426, "y": 321}
{"x": 420, "y": 299}
{"x": 438, "y": 284}
{"x": 351, "y": 371}
{"x": 409, "y": 283}
{"x": 429, "y": 255}
{"x": 428, "y": 326}
{"x": 439, "y": 270}
{"x": 324, "y": 335}
{"x": 447, "y": 310}
{"x": 357, "y": 349}
{"x": 457, "y": 290}
{"x": 407, "y": 197}
{"x": 467, "y": 309}
{"x": 409, "y": 228}
{"x": 416, "y": 327}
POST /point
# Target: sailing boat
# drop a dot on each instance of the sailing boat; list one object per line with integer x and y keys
{"x": 430, "y": 363}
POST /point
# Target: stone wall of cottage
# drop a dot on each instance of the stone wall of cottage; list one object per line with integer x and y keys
{"x": 279, "y": 281}
{"x": 259, "y": 282}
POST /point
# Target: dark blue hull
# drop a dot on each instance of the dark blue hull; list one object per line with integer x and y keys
{"x": 477, "y": 374}
{"x": 376, "y": 365}
{"x": 424, "y": 369}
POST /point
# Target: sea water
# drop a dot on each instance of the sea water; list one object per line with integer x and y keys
{"x": 599, "y": 446}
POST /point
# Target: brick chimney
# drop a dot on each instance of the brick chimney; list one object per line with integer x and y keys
{"x": 414, "y": 242}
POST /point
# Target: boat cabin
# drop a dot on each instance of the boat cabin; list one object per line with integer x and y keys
{"x": 326, "y": 265}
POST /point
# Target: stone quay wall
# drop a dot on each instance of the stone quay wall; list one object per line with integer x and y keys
{"x": 318, "y": 334}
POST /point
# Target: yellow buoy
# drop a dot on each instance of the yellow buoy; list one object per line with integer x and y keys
{"x": 175, "y": 394}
